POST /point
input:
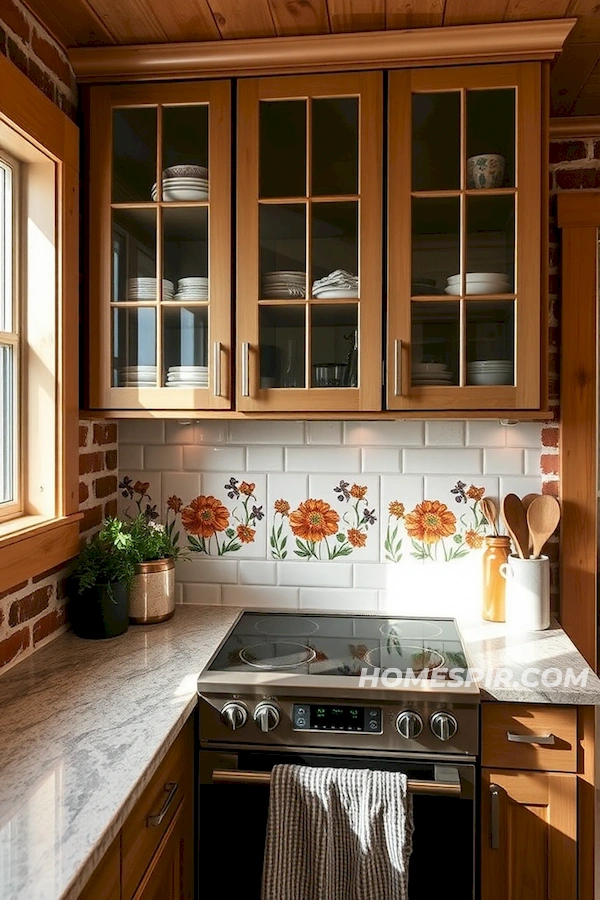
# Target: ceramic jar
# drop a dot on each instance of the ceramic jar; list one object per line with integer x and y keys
{"x": 152, "y": 592}
{"x": 485, "y": 171}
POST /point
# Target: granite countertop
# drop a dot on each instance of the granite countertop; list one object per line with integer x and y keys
{"x": 85, "y": 724}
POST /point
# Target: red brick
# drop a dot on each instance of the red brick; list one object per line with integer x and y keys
{"x": 64, "y": 102}
{"x": 550, "y": 436}
{"x": 111, "y": 459}
{"x": 29, "y": 606}
{"x": 566, "y": 151}
{"x": 104, "y": 487}
{"x": 1, "y": 616}
{"x": 576, "y": 179}
{"x": 110, "y": 508}
{"x": 91, "y": 462}
{"x": 550, "y": 487}
{"x": 13, "y": 18}
{"x": 596, "y": 149}
{"x": 16, "y": 55}
{"x": 84, "y": 492}
{"x": 13, "y": 590}
{"x": 83, "y": 434}
{"x": 91, "y": 518}
{"x": 554, "y": 283}
{"x": 61, "y": 588}
{"x": 105, "y": 433}
{"x": 49, "y": 55}
{"x": 53, "y": 571}
{"x": 549, "y": 463}
{"x": 48, "y": 624}
{"x": 13, "y": 645}
{"x": 41, "y": 79}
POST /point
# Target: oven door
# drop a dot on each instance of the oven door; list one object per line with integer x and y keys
{"x": 234, "y": 803}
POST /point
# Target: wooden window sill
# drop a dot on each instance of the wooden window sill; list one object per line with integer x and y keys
{"x": 31, "y": 545}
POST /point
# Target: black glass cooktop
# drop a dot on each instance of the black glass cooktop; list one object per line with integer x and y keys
{"x": 323, "y": 644}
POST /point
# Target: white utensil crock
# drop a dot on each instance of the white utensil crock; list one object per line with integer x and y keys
{"x": 527, "y": 593}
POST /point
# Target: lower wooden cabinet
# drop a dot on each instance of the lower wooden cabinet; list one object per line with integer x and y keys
{"x": 152, "y": 857}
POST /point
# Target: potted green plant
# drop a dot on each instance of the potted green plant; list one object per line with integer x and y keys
{"x": 102, "y": 577}
{"x": 152, "y": 589}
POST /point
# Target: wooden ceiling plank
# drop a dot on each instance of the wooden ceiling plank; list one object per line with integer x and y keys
{"x": 586, "y": 29}
{"x": 300, "y": 16}
{"x": 414, "y": 13}
{"x": 571, "y": 71}
{"x": 243, "y": 19}
{"x": 186, "y": 20}
{"x": 356, "y": 15}
{"x": 76, "y": 25}
{"x": 131, "y": 21}
{"x": 474, "y": 12}
{"x": 529, "y": 10}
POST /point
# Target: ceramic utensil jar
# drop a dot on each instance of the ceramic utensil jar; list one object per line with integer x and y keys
{"x": 527, "y": 593}
{"x": 494, "y": 585}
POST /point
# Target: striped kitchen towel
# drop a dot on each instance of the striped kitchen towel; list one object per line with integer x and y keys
{"x": 337, "y": 834}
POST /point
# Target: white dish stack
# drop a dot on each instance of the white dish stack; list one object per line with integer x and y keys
{"x": 435, "y": 373}
{"x": 192, "y": 288}
{"x": 137, "y": 376}
{"x": 187, "y": 182}
{"x": 338, "y": 283}
{"x": 479, "y": 283}
{"x": 283, "y": 284}
{"x": 490, "y": 371}
{"x": 187, "y": 376}
{"x": 146, "y": 289}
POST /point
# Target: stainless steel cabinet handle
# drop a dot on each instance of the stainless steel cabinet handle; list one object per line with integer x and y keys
{"x": 217, "y": 368}
{"x": 397, "y": 368}
{"x": 155, "y": 821}
{"x": 494, "y": 816}
{"x": 548, "y": 739}
{"x": 245, "y": 369}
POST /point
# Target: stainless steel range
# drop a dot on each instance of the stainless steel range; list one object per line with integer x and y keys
{"x": 355, "y": 691}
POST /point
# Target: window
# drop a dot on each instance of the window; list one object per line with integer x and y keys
{"x": 10, "y": 430}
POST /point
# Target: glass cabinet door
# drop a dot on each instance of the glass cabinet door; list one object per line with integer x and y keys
{"x": 159, "y": 247}
{"x": 309, "y": 243}
{"x": 465, "y": 197}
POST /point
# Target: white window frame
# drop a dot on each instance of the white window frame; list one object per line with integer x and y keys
{"x": 10, "y": 233}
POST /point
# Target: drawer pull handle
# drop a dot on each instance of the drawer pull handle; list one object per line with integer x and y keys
{"x": 494, "y": 817}
{"x": 155, "y": 821}
{"x": 547, "y": 739}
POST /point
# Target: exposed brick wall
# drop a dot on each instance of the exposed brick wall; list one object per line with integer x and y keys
{"x": 34, "y": 612}
{"x": 25, "y": 41}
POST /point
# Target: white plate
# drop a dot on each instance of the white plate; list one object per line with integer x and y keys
{"x": 183, "y": 194}
{"x": 479, "y": 276}
{"x": 331, "y": 293}
{"x": 426, "y": 368}
{"x": 188, "y": 384}
{"x": 196, "y": 279}
{"x": 483, "y": 378}
{"x": 480, "y": 287}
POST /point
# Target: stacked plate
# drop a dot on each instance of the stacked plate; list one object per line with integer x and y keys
{"x": 192, "y": 288}
{"x": 137, "y": 376}
{"x": 490, "y": 371}
{"x": 421, "y": 286}
{"x": 338, "y": 283}
{"x": 146, "y": 289}
{"x": 283, "y": 284}
{"x": 187, "y": 376}
{"x": 480, "y": 283}
{"x": 434, "y": 373}
{"x": 183, "y": 183}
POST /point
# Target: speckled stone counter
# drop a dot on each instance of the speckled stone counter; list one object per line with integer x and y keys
{"x": 85, "y": 724}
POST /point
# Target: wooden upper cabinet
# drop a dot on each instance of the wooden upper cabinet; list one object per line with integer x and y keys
{"x": 309, "y": 252}
{"x": 465, "y": 238}
{"x": 159, "y": 238}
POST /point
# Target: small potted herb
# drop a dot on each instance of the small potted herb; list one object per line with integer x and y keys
{"x": 152, "y": 590}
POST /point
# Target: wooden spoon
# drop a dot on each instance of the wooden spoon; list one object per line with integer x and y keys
{"x": 515, "y": 519}
{"x": 527, "y": 500}
{"x": 543, "y": 517}
{"x": 490, "y": 511}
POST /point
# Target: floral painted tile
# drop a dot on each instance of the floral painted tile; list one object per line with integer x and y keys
{"x": 245, "y": 500}
{"x": 356, "y": 500}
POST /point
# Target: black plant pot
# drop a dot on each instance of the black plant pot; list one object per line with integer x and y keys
{"x": 100, "y": 612}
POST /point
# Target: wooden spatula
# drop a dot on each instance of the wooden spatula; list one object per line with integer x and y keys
{"x": 543, "y": 517}
{"x": 527, "y": 500}
{"x": 515, "y": 519}
{"x": 488, "y": 508}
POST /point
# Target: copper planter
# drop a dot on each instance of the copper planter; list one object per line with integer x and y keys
{"x": 152, "y": 592}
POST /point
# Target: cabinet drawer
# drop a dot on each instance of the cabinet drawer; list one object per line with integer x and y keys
{"x": 106, "y": 880}
{"x": 509, "y": 732}
{"x": 142, "y": 834}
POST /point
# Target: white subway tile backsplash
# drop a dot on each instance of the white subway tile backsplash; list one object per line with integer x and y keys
{"x": 532, "y": 462}
{"x": 211, "y": 571}
{"x": 466, "y": 462}
{"x": 202, "y": 594}
{"x": 485, "y": 434}
{"x": 524, "y": 434}
{"x": 505, "y": 461}
{"x": 338, "y": 460}
{"x": 261, "y": 597}
{"x": 160, "y": 457}
{"x": 314, "y": 575}
{"x": 264, "y": 458}
{"x": 214, "y": 459}
{"x": 513, "y": 484}
{"x": 211, "y": 432}
{"x": 185, "y": 485}
{"x": 370, "y": 575}
{"x": 338, "y": 599}
{"x": 387, "y": 434}
{"x": 446, "y": 489}
{"x": 261, "y": 432}
{"x": 379, "y": 460}
{"x": 254, "y": 572}
{"x": 141, "y": 431}
{"x": 444, "y": 433}
{"x": 178, "y": 592}
{"x": 179, "y": 432}
{"x": 324, "y": 432}
{"x": 131, "y": 456}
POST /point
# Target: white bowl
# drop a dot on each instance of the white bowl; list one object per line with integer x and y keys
{"x": 187, "y": 170}
{"x": 480, "y": 287}
{"x": 478, "y": 276}
{"x": 490, "y": 364}
{"x": 184, "y": 194}
{"x": 422, "y": 368}
{"x": 490, "y": 378}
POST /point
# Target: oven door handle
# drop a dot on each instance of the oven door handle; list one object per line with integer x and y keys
{"x": 450, "y": 786}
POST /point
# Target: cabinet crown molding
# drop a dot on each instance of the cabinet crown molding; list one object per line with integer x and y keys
{"x": 453, "y": 45}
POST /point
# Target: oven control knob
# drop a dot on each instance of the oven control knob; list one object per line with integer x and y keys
{"x": 234, "y": 715}
{"x": 443, "y": 725}
{"x": 266, "y": 716}
{"x": 409, "y": 724}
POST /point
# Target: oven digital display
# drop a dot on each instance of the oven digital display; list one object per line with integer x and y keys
{"x": 336, "y": 717}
